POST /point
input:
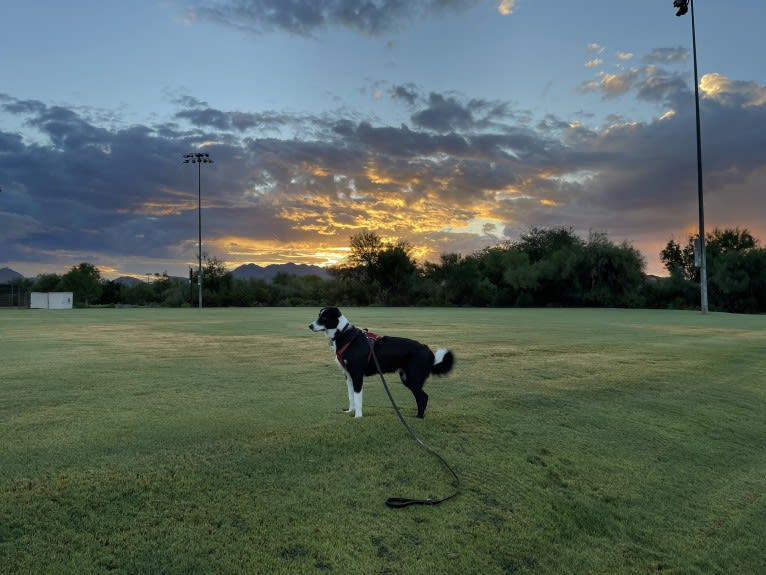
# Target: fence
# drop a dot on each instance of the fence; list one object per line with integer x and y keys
{"x": 13, "y": 296}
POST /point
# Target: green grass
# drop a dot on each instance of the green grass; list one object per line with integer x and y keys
{"x": 180, "y": 441}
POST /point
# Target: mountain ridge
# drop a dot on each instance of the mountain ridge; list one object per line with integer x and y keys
{"x": 254, "y": 271}
{"x": 243, "y": 272}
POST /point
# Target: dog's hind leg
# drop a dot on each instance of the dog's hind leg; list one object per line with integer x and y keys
{"x": 414, "y": 382}
{"x": 421, "y": 398}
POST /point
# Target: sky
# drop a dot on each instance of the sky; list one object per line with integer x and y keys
{"x": 452, "y": 125}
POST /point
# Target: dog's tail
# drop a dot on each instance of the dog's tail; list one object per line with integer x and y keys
{"x": 444, "y": 359}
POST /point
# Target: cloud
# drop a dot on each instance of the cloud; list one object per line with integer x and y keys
{"x": 449, "y": 114}
{"x": 667, "y": 56}
{"x": 612, "y": 85}
{"x": 464, "y": 174}
{"x": 734, "y": 92}
{"x": 506, "y": 7}
{"x": 237, "y": 121}
{"x": 650, "y": 83}
{"x": 406, "y": 93}
{"x": 443, "y": 114}
{"x": 307, "y": 17}
{"x": 595, "y": 48}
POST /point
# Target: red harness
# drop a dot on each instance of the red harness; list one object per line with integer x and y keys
{"x": 371, "y": 339}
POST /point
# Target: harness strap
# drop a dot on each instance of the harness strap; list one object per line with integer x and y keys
{"x": 371, "y": 339}
{"x": 341, "y": 351}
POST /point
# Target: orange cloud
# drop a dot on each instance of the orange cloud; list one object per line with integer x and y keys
{"x": 506, "y": 7}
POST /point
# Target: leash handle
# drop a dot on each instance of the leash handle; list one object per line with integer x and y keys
{"x": 399, "y": 502}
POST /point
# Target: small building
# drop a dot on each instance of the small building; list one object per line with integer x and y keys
{"x": 51, "y": 300}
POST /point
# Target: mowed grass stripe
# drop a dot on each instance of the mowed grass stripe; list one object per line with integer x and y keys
{"x": 180, "y": 441}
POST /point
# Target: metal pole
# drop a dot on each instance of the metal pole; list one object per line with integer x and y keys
{"x": 199, "y": 228}
{"x": 199, "y": 159}
{"x": 683, "y": 7}
{"x": 703, "y": 255}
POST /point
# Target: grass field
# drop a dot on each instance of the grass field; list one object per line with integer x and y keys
{"x": 180, "y": 441}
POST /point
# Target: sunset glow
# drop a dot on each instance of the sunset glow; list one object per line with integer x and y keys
{"x": 450, "y": 126}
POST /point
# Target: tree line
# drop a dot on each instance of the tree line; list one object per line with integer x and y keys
{"x": 544, "y": 267}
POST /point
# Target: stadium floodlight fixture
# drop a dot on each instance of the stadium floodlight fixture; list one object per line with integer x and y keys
{"x": 199, "y": 158}
{"x": 682, "y": 7}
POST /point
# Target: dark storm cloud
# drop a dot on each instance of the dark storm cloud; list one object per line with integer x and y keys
{"x": 88, "y": 187}
{"x": 82, "y": 185}
{"x": 237, "y": 121}
{"x": 406, "y": 93}
{"x": 14, "y": 106}
{"x": 11, "y": 143}
{"x": 449, "y": 114}
{"x": 305, "y": 17}
{"x": 405, "y": 142}
{"x": 443, "y": 115}
{"x": 67, "y": 129}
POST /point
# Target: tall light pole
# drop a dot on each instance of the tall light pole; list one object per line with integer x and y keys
{"x": 199, "y": 159}
{"x": 684, "y": 6}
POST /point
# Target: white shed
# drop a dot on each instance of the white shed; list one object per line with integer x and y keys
{"x": 51, "y": 300}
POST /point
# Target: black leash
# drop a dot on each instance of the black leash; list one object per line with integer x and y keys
{"x": 397, "y": 502}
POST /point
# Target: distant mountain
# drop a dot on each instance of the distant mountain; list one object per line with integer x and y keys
{"x": 252, "y": 271}
{"x": 128, "y": 281}
{"x": 244, "y": 272}
{"x": 8, "y": 275}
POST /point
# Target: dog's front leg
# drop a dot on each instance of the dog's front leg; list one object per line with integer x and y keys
{"x": 355, "y": 392}
{"x": 350, "y": 384}
{"x": 358, "y": 403}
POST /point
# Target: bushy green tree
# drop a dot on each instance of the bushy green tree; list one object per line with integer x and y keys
{"x": 47, "y": 283}
{"x": 84, "y": 281}
{"x": 378, "y": 272}
{"x": 735, "y": 269}
{"x": 613, "y": 275}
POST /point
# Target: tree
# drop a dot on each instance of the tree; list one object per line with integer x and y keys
{"x": 84, "y": 281}
{"x": 541, "y": 243}
{"x": 729, "y": 240}
{"x": 494, "y": 263}
{"x": 365, "y": 251}
{"x": 378, "y": 272}
{"x": 615, "y": 274}
{"x": 111, "y": 293}
{"x": 735, "y": 264}
{"x": 733, "y": 270}
{"x": 216, "y": 282}
{"x": 551, "y": 273}
{"x": 394, "y": 273}
{"x": 47, "y": 283}
{"x": 460, "y": 281}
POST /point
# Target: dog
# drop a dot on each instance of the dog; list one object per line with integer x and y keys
{"x": 353, "y": 347}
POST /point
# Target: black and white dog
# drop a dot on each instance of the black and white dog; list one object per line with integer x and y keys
{"x": 413, "y": 360}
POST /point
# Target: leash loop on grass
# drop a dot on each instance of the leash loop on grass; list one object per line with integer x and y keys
{"x": 398, "y": 502}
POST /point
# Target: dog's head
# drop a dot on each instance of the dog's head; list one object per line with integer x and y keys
{"x": 330, "y": 321}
